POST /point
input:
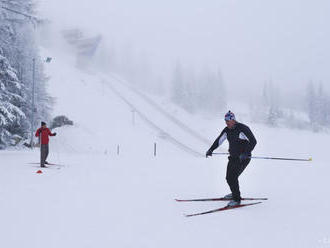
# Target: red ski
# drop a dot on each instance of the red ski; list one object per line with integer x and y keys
{"x": 48, "y": 164}
{"x": 220, "y": 199}
{"x": 223, "y": 209}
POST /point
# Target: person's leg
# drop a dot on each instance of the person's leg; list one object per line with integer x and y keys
{"x": 232, "y": 177}
{"x": 42, "y": 155}
{"x": 46, "y": 152}
{"x": 243, "y": 165}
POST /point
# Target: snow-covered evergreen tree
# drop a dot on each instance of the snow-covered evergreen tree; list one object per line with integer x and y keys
{"x": 13, "y": 122}
{"x": 178, "y": 85}
{"x": 318, "y": 106}
{"x": 204, "y": 92}
{"x": 321, "y": 105}
{"x": 19, "y": 50}
{"x": 270, "y": 100}
{"x": 212, "y": 93}
{"x": 266, "y": 108}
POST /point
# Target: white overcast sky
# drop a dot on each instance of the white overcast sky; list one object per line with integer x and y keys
{"x": 252, "y": 41}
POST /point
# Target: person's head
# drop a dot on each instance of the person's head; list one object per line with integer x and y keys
{"x": 43, "y": 124}
{"x": 230, "y": 119}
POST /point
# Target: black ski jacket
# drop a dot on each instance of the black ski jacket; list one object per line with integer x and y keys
{"x": 240, "y": 138}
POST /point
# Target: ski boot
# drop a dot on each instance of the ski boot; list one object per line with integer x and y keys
{"x": 233, "y": 203}
{"x": 229, "y": 196}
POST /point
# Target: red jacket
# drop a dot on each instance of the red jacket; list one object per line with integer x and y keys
{"x": 44, "y": 134}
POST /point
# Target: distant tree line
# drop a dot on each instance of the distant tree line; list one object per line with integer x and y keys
{"x": 314, "y": 110}
{"x": 202, "y": 92}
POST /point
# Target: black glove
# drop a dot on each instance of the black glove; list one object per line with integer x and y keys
{"x": 54, "y": 134}
{"x": 243, "y": 156}
{"x": 209, "y": 153}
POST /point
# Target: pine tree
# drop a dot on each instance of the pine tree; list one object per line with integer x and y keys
{"x": 18, "y": 43}
{"x": 311, "y": 103}
{"x": 219, "y": 92}
{"x": 212, "y": 94}
{"x": 12, "y": 119}
{"x": 178, "y": 85}
{"x": 204, "y": 92}
{"x": 188, "y": 93}
{"x": 270, "y": 104}
{"x": 321, "y": 106}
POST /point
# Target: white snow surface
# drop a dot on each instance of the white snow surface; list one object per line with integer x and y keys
{"x": 96, "y": 198}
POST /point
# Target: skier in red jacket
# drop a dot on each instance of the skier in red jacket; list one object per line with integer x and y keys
{"x": 43, "y": 133}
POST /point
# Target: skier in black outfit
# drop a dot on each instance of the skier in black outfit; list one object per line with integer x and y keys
{"x": 241, "y": 143}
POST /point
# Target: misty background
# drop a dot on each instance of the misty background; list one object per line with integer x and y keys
{"x": 272, "y": 54}
{"x": 283, "y": 41}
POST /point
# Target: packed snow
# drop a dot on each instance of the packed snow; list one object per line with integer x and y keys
{"x": 95, "y": 197}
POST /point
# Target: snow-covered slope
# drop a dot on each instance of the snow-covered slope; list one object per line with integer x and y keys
{"x": 96, "y": 198}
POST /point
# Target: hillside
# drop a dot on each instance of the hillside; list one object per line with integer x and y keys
{"x": 97, "y": 198}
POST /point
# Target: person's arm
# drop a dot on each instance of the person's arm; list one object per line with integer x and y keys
{"x": 38, "y": 133}
{"x": 50, "y": 133}
{"x": 252, "y": 140}
{"x": 218, "y": 141}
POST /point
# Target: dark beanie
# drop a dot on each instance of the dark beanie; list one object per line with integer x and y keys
{"x": 43, "y": 123}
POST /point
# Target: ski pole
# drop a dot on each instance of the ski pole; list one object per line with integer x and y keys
{"x": 292, "y": 159}
{"x": 256, "y": 157}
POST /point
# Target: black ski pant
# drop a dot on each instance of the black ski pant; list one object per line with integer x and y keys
{"x": 44, "y": 150}
{"x": 234, "y": 169}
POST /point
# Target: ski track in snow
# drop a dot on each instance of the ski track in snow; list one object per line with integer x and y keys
{"x": 100, "y": 199}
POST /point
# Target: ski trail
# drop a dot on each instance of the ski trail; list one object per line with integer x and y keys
{"x": 155, "y": 127}
{"x": 162, "y": 111}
